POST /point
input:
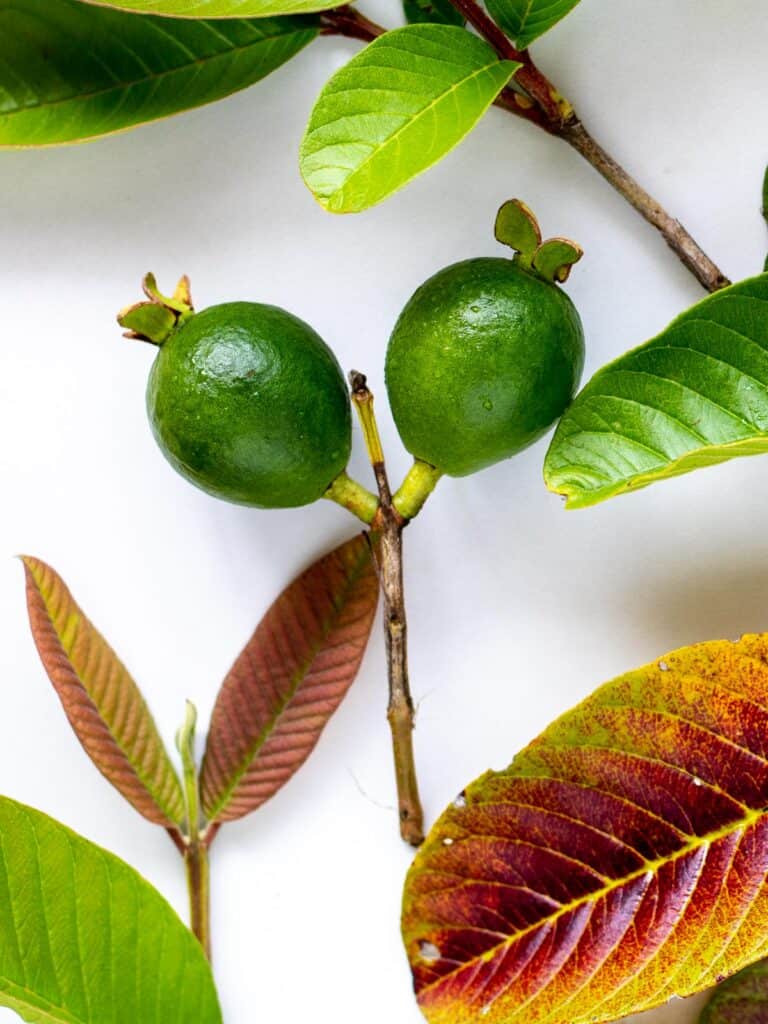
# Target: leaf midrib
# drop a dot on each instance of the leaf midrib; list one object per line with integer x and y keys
{"x": 297, "y": 679}
{"x": 122, "y": 85}
{"x": 83, "y": 625}
{"x": 652, "y": 867}
{"x": 153, "y": 12}
{"x": 391, "y": 139}
{"x": 139, "y": 771}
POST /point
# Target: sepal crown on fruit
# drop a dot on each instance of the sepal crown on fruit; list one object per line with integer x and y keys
{"x": 154, "y": 320}
{"x": 517, "y": 226}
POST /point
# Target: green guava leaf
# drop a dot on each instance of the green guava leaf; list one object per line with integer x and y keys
{"x": 526, "y": 20}
{"x": 432, "y": 12}
{"x": 102, "y": 702}
{"x": 85, "y": 940}
{"x": 765, "y": 208}
{"x": 394, "y": 110}
{"x": 70, "y": 71}
{"x": 696, "y": 395}
{"x": 743, "y": 999}
{"x": 217, "y": 9}
{"x": 289, "y": 679}
{"x": 619, "y": 862}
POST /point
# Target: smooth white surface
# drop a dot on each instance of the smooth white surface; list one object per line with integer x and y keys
{"x": 517, "y": 609}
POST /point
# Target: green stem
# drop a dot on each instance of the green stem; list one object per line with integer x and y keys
{"x": 353, "y": 497}
{"x": 417, "y": 486}
{"x": 195, "y": 851}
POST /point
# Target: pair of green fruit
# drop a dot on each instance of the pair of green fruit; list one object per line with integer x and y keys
{"x": 250, "y": 404}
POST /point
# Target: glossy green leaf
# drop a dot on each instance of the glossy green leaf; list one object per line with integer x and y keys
{"x": 218, "y": 9}
{"x": 85, "y": 940}
{"x": 432, "y": 12}
{"x": 394, "y": 110}
{"x": 70, "y": 71}
{"x": 102, "y": 702}
{"x": 619, "y": 862}
{"x": 695, "y": 395}
{"x": 742, "y": 999}
{"x": 526, "y": 20}
{"x": 765, "y": 208}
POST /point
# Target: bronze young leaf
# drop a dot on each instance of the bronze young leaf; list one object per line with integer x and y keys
{"x": 288, "y": 681}
{"x": 615, "y": 864}
{"x": 102, "y": 702}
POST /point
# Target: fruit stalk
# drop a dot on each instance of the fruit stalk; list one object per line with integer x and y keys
{"x": 353, "y": 497}
{"x": 417, "y": 486}
{"x": 542, "y": 104}
{"x": 387, "y": 530}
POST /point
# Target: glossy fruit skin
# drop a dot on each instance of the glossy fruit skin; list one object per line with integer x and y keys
{"x": 249, "y": 403}
{"x": 485, "y": 356}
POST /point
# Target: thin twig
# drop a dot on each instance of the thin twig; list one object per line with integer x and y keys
{"x": 388, "y": 529}
{"x": 541, "y": 103}
{"x": 687, "y": 250}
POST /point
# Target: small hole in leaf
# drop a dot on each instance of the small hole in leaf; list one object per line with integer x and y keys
{"x": 698, "y": 782}
{"x": 460, "y": 801}
{"x": 664, "y": 666}
{"x": 447, "y": 841}
{"x": 429, "y": 952}
{"x": 485, "y": 1010}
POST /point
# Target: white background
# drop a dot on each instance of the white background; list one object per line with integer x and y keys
{"x": 517, "y": 608}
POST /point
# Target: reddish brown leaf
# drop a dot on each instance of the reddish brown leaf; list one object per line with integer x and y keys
{"x": 288, "y": 681}
{"x": 101, "y": 700}
{"x": 621, "y": 860}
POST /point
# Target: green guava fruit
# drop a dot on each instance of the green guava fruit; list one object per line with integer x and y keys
{"x": 246, "y": 401}
{"x": 486, "y": 355}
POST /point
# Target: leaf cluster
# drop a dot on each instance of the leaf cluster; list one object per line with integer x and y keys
{"x": 71, "y": 70}
{"x": 85, "y": 940}
{"x": 270, "y": 711}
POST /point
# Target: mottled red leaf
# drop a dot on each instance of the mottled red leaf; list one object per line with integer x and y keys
{"x": 101, "y": 700}
{"x": 620, "y": 860}
{"x": 288, "y": 681}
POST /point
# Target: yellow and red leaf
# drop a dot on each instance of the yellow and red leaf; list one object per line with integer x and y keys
{"x": 620, "y": 861}
{"x": 288, "y": 681}
{"x": 102, "y": 702}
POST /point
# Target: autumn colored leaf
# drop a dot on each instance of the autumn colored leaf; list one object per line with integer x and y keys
{"x": 102, "y": 702}
{"x": 615, "y": 864}
{"x": 288, "y": 681}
